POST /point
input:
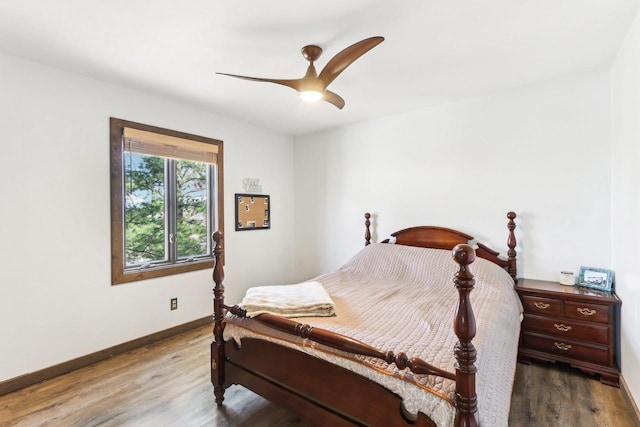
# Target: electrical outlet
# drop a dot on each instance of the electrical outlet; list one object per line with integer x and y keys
{"x": 174, "y": 303}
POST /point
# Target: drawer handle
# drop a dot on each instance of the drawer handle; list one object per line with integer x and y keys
{"x": 541, "y": 305}
{"x": 586, "y": 311}
{"x": 562, "y": 327}
{"x": 562, "y": 346}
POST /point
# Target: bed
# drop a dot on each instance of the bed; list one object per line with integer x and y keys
{"x": 390, "y": 356}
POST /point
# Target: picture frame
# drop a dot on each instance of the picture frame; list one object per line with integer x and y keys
{"x": 253, "y": 212}
{"x": 596, "y": 278}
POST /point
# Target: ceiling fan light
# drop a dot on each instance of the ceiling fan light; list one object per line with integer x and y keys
{"x": 311, "y": 95}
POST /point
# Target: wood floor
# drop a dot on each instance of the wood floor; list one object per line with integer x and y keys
{"x": 167, "y": 384}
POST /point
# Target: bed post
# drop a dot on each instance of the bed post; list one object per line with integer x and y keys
{"x": 511, "y": 243}
{"x": 367, "y": 233}
{"x": 464, "y": 325}
{"x": 217, "y": 346}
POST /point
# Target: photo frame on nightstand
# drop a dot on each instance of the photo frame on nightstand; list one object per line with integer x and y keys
{"x": 596, "y": 278}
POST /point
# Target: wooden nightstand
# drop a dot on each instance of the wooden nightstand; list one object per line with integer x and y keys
{"x": 570, "y": 324}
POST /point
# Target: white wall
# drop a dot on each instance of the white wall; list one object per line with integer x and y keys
{"x": 57, "y": 301}
{"x": 625, "y": 84}
{"x": 542, "y": 151}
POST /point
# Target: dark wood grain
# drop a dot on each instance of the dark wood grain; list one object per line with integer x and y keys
{"x": 217, "y": 346}
{"x": 570, "y": 324}
{"x": 464, "y": 326}
{"x": 511, "y": 244}
{"x": 343, "y": 343}
{"x": 367, "y": 225}
{"x": 355, "y": 407}
{"x": 429, "y": 237}
{"x": 336, "y": 399}
{"x": 447, "y": 238}
{"x": 168, "y": 384}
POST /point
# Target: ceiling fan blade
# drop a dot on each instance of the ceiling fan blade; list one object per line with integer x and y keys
{"x": 346, "y": 57}
{"x": 333, "y": 98}
{"x": 294, "y": 84}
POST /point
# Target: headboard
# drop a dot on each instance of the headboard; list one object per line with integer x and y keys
{"x": 446, "y": 238}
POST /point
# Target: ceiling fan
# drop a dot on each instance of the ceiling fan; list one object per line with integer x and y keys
{"x": 313, "y": 87}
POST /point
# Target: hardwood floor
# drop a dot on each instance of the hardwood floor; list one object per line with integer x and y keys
{"x": 167, "y": 384}
{"x": 557, "y": 395}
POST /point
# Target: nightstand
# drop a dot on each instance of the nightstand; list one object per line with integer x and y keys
{"x": 571, "y": 324}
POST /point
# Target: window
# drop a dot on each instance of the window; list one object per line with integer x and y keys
{"x": 166, "y": 201}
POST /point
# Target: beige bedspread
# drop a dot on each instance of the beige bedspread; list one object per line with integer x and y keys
{"x": 402, "y": 298}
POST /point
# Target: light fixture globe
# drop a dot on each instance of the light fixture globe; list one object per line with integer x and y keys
{"x": 311, "y": 87}
{"x": 311, "y": 95}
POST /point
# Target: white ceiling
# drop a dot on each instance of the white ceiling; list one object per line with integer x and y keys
{"x": 436, "y": 51}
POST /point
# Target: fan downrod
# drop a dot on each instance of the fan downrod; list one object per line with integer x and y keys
{"x": 311, "y": 52}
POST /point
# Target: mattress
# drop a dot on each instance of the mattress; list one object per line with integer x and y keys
{"x": 402, "y": 298}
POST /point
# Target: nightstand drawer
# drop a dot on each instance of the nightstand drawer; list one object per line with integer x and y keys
{"x": 587, "y": 311}
{"x": 570, "y": 324}
{"x": 544, "y": 306}
{"x": 565, "y": 328}
{"x": 567, "y": 348}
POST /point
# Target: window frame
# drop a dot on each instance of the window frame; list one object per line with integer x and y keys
{"x": 119, "y": 274}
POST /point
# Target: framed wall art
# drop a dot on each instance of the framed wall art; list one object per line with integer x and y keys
{"x": 253, "y": 212}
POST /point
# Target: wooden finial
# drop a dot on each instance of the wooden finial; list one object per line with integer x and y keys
{"x": 466, "y": 399}
{"x": 218, "y": 253}
{"x": 511, "y": 243}
{"x": 463, "y": 255}
{"x": 367, "y": 233}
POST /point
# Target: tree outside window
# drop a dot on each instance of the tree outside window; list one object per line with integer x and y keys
{"x": 166, "y": 201}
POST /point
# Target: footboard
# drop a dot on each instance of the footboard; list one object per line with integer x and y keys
{"x": 318, "y": 390}
{"x": 344, "y": 343}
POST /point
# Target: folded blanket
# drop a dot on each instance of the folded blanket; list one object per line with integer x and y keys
{"x": 301, "y": 300}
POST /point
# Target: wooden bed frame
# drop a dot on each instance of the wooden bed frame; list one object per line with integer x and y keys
{"x": 326, "y": 394}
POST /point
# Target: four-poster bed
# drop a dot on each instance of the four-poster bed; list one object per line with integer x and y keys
{"x": 334, "y": 378}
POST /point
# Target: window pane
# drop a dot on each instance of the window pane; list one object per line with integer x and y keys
{"x": 144, "y": 209}
{"x": 191, "y": 201}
